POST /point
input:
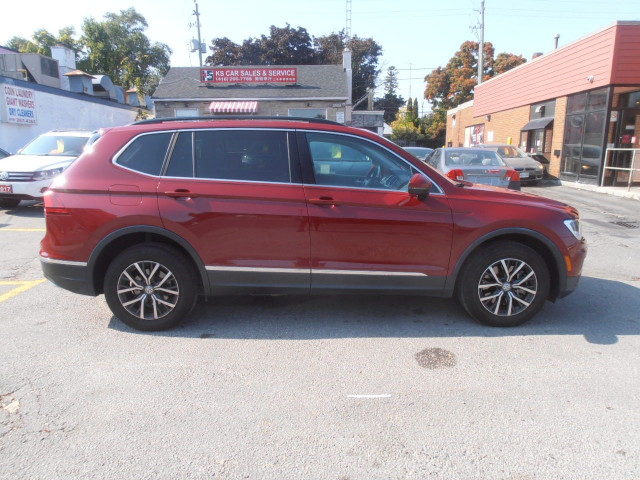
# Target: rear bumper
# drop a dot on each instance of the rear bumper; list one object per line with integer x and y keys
{"x": 72, "y": 276}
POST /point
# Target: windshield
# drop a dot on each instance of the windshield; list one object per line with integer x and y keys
{"x": 480, "y": 158}
{"x": 510, "y": 152}
{"x": 55, "y": 145}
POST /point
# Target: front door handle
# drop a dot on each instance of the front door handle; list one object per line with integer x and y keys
{"x": 180, "y": 193}
{"x": 324, "y": 201}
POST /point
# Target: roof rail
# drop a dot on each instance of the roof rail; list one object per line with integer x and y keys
{"x": 235, "y": 117}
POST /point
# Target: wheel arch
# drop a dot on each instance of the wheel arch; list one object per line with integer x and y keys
{"x": 126, "y": 237}
{"x": 539, "y": 242}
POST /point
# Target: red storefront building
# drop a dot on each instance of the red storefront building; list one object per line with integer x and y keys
{"x": 573, "y": 105}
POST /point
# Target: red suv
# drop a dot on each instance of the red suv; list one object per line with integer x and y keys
{"x": 156, "y": 213}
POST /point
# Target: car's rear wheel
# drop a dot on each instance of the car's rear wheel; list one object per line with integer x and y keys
{"x": 150, "y": 287}
{"x": 9, "y": 202}
{"x": 504, "y": 284}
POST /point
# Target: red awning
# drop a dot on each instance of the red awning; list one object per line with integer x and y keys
{"x": 233, "y": 107}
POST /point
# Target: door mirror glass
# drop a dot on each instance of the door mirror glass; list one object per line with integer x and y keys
{"x": 419, "y": 185}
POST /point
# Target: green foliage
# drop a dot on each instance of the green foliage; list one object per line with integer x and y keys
{"x": 390, "y": 102}
{"x": 117, "y": 46}
{"x": 294, "y": 46}
{"x": 409, "y": 112}
{"x": 415, "y": 109}
{"x": 42, "y": 41}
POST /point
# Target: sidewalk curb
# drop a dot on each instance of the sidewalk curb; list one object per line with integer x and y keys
{"x": 615, "y": 191}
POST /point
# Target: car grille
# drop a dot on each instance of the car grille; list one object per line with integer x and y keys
{"x": 19, "y": 177}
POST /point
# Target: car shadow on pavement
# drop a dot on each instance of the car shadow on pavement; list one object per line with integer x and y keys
{"x": 600, "y": 310}
{"x": 28, "y": 210}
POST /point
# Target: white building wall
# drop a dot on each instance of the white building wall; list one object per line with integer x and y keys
{"x": 55, "y": 112}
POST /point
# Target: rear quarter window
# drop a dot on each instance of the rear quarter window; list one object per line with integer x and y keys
{"x": 146, "y": 153}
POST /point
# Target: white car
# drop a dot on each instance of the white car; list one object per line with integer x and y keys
{"x": 27, "y": 175}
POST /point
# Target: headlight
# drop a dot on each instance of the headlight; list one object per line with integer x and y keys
{"x": 574, "y": 227}
{"x": 45, "y": 174}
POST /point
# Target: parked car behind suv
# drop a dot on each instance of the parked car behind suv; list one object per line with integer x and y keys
{"x": 421, "y": 153}
{"x": 530, "y": 170}
{"x": 27, "y": 175}
{"x": 159, "y": 212}
{"x": 474, "y": 165}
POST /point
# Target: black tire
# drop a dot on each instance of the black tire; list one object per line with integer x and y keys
{"x": 475, "y": 277}
{"x": 182, "y": 280}
{"x": 9, "y": 202}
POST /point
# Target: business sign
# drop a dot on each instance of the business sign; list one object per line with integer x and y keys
{"x": 20, "y": 105}
{"x": 249, "y": 75}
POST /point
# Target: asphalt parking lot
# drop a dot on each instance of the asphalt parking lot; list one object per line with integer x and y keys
{"x": 325, "y": 387}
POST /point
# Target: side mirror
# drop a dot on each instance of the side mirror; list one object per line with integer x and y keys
{"x": 419, "y": 186}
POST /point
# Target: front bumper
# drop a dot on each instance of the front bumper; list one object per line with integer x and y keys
{"x": 72, "y": 276}
{"x": 577, "y": 254}
{"x": 26, "y": 190}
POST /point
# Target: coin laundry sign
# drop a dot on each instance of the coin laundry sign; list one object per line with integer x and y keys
{"x": 249, "y": 75}
{"x": 20, "y": 105}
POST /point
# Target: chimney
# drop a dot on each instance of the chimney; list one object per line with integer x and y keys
{"x": 536, "y": 55}
{"x": 66, "y": 58}
{"x": 346, "y": 64}
{"x": 556, "y": 37}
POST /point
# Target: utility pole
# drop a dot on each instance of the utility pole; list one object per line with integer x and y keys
{"x": 410, "y": 78}
{"x": 348, "y": 22}
{"x": 481, "y": 45}
{"x": 197, "y": 14}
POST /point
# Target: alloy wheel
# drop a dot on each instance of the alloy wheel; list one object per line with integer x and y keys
{"x": 507, "y": 287}
{"x": 148, "y": 290}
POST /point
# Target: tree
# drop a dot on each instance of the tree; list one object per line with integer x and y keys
{"x": 117, "y": 46}
{"x": 391, "y": 81}
{"x": 416, "y": 112}
{"x": 410, "y": 113}
{"x": 451, "y": 85}
{"x": 390, "y": 102}
{"x": 42, "y": 41}
{"x": 291, "y": 46}
{"x": 507, "y": 61}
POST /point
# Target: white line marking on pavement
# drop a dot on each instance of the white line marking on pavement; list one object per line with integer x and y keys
{"x": 383, "y": 395}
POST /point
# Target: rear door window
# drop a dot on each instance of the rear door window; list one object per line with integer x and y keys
{"x": 146, "y": 153}
{"x": 250, "y": 155}
{"x": 181, "y": 162}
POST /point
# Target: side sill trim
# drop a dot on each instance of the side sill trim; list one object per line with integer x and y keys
{"x": 62, "y": 262}
{"x": 314, "y": 271}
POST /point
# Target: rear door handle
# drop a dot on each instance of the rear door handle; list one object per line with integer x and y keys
{"x": 324, "y": 201}
{"x": 180, "y": 193}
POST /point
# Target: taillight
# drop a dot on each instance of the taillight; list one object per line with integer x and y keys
{"x": 53, "y": 204}
{"x": 456, "y": 174}
{"x": 512, "y": 175}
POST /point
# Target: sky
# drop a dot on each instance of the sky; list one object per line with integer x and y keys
{"x": 416, "y": 34}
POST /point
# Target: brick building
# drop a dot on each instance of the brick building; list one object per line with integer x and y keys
{"x": 570, "y": 105}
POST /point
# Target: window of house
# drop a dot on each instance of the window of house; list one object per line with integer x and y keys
{"x": 308, "y": 112}
{"x": 251, "y": 155}
{"x": 146, "y": 153}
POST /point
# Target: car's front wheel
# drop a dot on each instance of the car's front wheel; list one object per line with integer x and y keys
{"x": 150, "y": 287}
{"x": 504, "y": 284}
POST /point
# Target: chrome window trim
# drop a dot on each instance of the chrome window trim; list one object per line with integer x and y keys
{"x": 330, "y": 132}
{"x": 62, "y": 262}
{"x": 216, "y": 268}
{"x": 117, "y": 155}
{"x": 174, "y": 131}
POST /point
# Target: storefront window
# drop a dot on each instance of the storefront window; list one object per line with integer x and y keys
{"x": 576, "y": 103}
{"x": 597, "y": 99}
{"x": 582, "y": 150}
